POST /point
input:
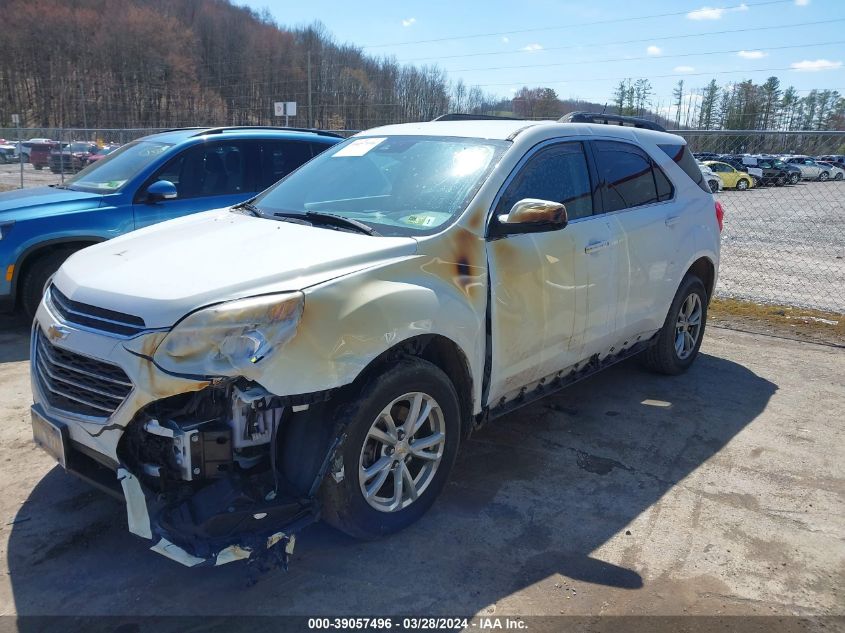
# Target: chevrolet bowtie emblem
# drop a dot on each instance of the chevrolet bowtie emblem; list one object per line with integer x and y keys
{"x": 57, "y": 332}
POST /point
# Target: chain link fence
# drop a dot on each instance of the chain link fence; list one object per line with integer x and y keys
{"x": 784, "y": 236}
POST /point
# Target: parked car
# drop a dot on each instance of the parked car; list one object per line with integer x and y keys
{"x": 26, "y": 146}
{"x": 71, "y": 157}
{"x": 773, "y": 172}
{"x": 100, "y": 153}
{"x": 714, "y": 181}
{"x": 156, "y": 178}
{"x": 325, "y": 348}
{"x": 702, "y": 156}
{"x": 837, "y": 172}
{"x": 838, "y": 159}
{"x": 732, "y": 178}
{"x": 793, "y": 172}
{"x": 810, "y": 169}
{"x": 39, "y": 153}
{"x": 8, "y": 152}
{"x": 737, "y": 163}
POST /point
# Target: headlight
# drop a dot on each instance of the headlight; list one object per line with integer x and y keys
{"x": 230, "y": 338}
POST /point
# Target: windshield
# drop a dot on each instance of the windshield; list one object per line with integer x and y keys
{"x": 116, "y": 169}
{"x": 399, "y": 185}
{"x": 80, "y": 147}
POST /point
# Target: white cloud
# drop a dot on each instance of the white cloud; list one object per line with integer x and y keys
{"x": 532, "y": 48}
{"x": 653, "y": 50}
{"x": 409, "y": 21}
{"x": 814, "y": 66}
{"x": 752, "y": 54}
{"x": 714, "y": 13}
{"x": 506, "y": 40}
{"x": 684, "y": 69}
{"x": 802, "y": 3}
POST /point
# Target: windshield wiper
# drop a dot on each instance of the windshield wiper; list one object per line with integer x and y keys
{"x": 339, "y": 220}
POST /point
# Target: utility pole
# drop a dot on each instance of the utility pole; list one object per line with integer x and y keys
{"x": 82, "y": 103}
{"x": 310, "y": 116}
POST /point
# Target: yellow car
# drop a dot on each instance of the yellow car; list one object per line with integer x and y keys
{"x": 732, "y": 178}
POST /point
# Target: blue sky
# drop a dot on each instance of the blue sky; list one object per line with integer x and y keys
{"x": 560, "y": 44}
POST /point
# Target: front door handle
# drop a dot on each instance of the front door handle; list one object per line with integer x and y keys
{"x": 672, "y": 220}
{"x": 592, "y": 247}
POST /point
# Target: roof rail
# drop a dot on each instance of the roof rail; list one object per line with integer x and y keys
{"x": 610, "y": 119}
{"x": 220, "y": 130}
{"x": 459, "y": 116}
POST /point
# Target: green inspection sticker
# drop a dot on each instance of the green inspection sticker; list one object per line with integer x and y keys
{"x": 421, "y": 220}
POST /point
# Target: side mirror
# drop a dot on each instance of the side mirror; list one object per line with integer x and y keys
{"x": 532, "y": 211}
{"x": 161, "y": 190}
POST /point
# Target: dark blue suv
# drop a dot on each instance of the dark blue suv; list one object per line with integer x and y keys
{"x": 156, "y": 178}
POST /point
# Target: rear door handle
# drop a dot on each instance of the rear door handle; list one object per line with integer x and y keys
{"x": 672, "y": 220}
{"x": 592, "y": 247}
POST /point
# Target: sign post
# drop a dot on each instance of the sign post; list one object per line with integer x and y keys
{"x": 16, "y": 121}
{"x": 285, "y": 109}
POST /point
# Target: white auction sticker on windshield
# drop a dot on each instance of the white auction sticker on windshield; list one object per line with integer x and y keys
{"x": 360, "y": 146}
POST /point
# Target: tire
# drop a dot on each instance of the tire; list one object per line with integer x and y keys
{"x": 824, "y": 176}
{"x": 794, "y": 178}
{"x": 781, "y": 181}
{"x": 742, "y": 184}
{"x": 663, "y": 356}
{"x": 839, "y": 176}
{"x": 344, "y": 504}
{"x": 34, "y": 281}
{"x": 714, "y": 186}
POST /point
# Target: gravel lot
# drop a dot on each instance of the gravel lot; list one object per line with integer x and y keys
{"x": 720, "y": 491}
{"x": 785, "y": 245}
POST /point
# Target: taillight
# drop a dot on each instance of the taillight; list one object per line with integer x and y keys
{"x": 720, "y": 215}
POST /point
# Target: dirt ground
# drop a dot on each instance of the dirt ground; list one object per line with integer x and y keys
{"x": 720, "y": 491}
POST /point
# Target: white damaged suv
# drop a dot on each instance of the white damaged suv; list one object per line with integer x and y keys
{"x": 323, "y": 350}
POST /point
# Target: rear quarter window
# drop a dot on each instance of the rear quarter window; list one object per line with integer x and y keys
{"x": 683, "y": 159}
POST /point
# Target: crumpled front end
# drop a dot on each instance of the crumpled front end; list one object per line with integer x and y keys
{"x": 206, "y": 467}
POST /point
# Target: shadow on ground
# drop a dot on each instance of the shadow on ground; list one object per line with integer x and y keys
{"x": 14, "y": 338}
{"x": 532, "y": 496}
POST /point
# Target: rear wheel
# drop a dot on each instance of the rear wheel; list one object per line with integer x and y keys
{"x": 824, "y": 176}
{"x": 34, "y": 281}
{"x": 714, "y": 186}
{"x": 402, "y": 439}
{"x": 794, "y": 178}
{"x": 742, "y": 184}
{"x": 781, "y": 181}
{"x": 680, "y": 337}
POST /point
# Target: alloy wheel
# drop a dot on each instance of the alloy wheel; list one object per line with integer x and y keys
{"x": 402, "y": 452}
{"x": 688, "y": 326}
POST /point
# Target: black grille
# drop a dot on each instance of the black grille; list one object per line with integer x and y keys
{"x": 94, "y": 317}
{"x": 76, "y": 383}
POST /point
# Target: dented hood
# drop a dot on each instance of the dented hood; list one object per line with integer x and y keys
{"x": 165, "y": 271}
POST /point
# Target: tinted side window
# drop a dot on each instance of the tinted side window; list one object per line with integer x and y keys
{"x": 279, "y": 158}
{"x": 209, "y": 170}
{"x": 682, "y": 157}
{"x": 558, "y": 173}
{"x": 627, "y": 176}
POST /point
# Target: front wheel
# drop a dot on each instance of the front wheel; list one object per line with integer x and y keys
{"x": 794, "y": 178}
{"x": 839, "y": 176}
{"x": 714, "y": 186}
{"x": 742, "y": 184}
{"x": 402, "y": 438}
{"x": 680, "y": 337}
